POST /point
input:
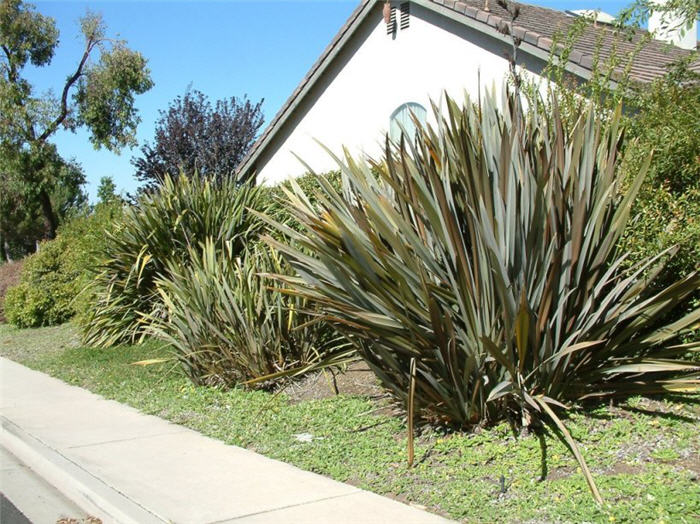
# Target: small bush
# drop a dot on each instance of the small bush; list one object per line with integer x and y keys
{"x": 666, "y": 214}
{"x": 664, "y": 120}
{"x": 662, "y": 220}
{"x": 53, "y": 282}
{"x": 46, "y": 289}
{"x": 9, "y": 276}
{"x": 157, "y": 233}
{"x": 229, "y": 324}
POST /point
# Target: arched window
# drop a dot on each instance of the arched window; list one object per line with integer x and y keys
{"x": 401, "y": 121}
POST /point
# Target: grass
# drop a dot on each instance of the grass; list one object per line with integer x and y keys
{"x": 645, "y": 454}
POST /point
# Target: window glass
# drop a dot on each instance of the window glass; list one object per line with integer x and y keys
{"x": 401, "y": 120}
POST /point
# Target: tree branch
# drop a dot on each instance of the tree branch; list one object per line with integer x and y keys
{"x": 10, "y": 67}
{"x": 64, "y": 97}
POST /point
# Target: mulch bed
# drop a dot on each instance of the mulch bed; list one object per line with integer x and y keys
{"x": 356, "y": 379}
{"x": 9, "y": 276}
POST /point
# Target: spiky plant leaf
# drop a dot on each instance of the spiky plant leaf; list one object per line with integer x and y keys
{"x": 158, "y": 231}
{"x": 484, "y": 251}
{"x": 229, "y": 324}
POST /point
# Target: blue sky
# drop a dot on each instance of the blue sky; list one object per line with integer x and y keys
{"x": 222, "y": 48}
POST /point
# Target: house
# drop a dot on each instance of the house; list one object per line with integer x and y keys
{"x": 390, "y": 59}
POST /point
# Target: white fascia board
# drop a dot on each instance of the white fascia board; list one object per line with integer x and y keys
{"x": 311, "y": 82}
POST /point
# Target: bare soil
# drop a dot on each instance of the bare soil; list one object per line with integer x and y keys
{"x": 9, "y": 276}
{"x": 356, "y": 379}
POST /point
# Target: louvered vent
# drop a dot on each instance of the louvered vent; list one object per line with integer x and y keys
{"x": 405, "y": 15}
{"x": 391, "y": 26}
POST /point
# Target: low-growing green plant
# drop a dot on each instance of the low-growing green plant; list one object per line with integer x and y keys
{"x": 480, "y": 269}
{"x": 228, "y": 324}
{"x": 52, "y": 287}
{"x": 356, "y": 440}
{"x": 157, "y": 233}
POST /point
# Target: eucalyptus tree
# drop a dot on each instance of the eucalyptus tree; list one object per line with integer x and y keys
{"x": 98, "y": 95}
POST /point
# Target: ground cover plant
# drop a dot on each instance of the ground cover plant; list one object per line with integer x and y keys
{"x": 478, "y": 266}
{"x": 644, "y": 452}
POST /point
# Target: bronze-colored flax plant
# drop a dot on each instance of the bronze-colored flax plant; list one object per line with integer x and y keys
{"x": 228, "y": 324}
{"x": 161, "y": 230}
{"x": 485, "y": 252}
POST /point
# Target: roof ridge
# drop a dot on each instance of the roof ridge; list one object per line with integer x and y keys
{"x": 581, "y": 53}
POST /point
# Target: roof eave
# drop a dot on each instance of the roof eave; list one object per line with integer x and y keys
{"x": 541, "y": 51}
{"x": 289, "y": 107}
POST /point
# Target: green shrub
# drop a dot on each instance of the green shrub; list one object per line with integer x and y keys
{"x": 47, "y": 287}
{"x": 52, "y": 287}
{"x": 228, "y": 324}
{"x": 663, "y": 219}
{"x": 155, "y": 234}
{"x": 667, "y": 211}
{"x": 481, "y": 273}
{"x": 663, "y": 119}
{"x": 310, "y": 183}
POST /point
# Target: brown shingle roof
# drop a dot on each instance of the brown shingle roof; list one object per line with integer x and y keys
{"x": 537, "y": 26}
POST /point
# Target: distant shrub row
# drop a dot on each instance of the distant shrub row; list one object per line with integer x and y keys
{"x": 54, "y": 283}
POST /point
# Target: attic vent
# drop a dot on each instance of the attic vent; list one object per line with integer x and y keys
{"x": 405, "y": 15}
{"x": 391, "y": 24}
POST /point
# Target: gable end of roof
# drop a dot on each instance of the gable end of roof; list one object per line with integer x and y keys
{"x": 536, "y": 27}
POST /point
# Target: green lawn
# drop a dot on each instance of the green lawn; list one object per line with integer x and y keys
{"x": 645, "y": 454}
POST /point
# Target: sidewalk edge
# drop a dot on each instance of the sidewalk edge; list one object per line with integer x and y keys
{"x": 74, "y": 482}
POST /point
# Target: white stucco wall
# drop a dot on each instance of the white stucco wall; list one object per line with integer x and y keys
{"x": 672, "y": 27}
{"x": 371, "y": 78}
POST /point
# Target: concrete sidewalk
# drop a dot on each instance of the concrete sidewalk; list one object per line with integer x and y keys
{"x": 122, "y": 466}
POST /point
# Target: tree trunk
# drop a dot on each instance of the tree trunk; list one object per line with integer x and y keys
{"x": 49, "y": 217}
{"x": 5, "y": 249}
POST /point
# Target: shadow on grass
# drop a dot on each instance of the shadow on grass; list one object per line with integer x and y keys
{"x": 544, "y": 470}
{"x": 676, "y": 417}
{"x": 607, "y": 411}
